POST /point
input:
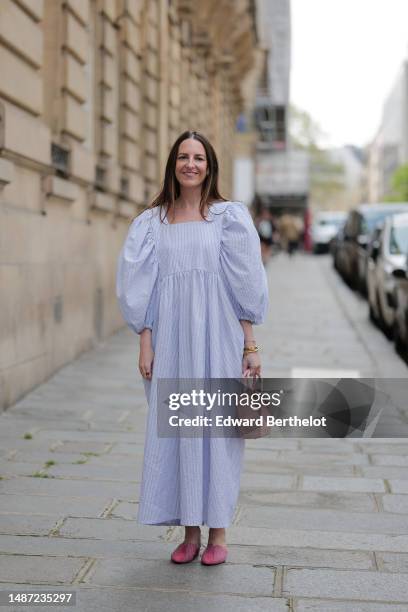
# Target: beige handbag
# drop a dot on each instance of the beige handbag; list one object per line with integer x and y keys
{"x": 255, "y": 428}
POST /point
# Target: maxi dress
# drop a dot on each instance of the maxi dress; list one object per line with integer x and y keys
{"x": 191, "y": 283}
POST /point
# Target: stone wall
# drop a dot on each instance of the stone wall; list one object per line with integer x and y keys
{"x": 92, "y": 95}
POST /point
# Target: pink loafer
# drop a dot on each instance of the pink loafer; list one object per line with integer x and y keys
{"x": 214, "y": 554}
{"x": 184, "y": 553}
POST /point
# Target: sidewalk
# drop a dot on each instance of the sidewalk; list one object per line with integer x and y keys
{"x": 321, "y": 526}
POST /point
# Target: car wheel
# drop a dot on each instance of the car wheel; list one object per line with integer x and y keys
{"x": 388, "y": 331}
{"x": 372, "y": 315}
{"x": 400, "y": 346}
{"x": 353, "y": 280}
{"x": 363, "y": 287}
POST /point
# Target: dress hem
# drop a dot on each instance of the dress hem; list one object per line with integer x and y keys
{"x": 178, "y": 523}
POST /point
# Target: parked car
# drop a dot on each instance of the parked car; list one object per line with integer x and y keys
{"x": 401, "y": 310}
{"x": 324, "y": 228}
{"x": 386, "y": 255}
{"x": 336, "y": 249}
{"x": 352, "y": 250}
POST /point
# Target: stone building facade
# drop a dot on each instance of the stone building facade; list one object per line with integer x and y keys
{"x": 92, "y": 95}
{"x": 389, "y": 149}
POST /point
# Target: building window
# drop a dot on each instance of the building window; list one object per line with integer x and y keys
{"x": 100, "y": 178}
{"x": 60, "y": 157}
{"x": 124, "y": 187}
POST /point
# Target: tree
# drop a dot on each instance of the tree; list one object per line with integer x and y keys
{"x": 326, "y": 177}
{"x": 305, "y": 132}
{"x": 399, "y": 182}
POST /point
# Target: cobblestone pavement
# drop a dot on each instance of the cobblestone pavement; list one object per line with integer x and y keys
{"x": 321, "y": 526}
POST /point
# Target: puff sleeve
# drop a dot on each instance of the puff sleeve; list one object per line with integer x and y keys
{"x": 137, "y": 273}
{"x": 241, "y": 264}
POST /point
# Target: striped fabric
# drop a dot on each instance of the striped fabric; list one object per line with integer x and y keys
{"x": 191, "y": 283}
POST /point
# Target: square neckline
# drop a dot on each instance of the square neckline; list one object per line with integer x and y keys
{"x": 209, "y": 219}
{"x": 187, "y": 222}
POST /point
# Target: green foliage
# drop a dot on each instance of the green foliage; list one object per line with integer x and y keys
{"x": 391, "y": 198}
{"x": 27, "y": 436}
{"x": 326, "y": 177}
{"x": 305, "y": 132}
{"x": 399, "y": 182}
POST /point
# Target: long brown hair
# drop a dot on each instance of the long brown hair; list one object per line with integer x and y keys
{"x": 171, "y": 187}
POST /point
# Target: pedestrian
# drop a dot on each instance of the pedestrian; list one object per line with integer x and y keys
{"x": 191, "y": 283}
{"x": 265, "y": 230}
{"x": 290, "y": 231}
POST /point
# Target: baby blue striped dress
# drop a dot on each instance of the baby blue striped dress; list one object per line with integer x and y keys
{"x": 191, "y": 283}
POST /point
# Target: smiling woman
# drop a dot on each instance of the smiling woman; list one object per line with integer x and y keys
{"x": 191, "y": 176}
{"x": 191, "y": 161}
{"x": 192, "y": 292}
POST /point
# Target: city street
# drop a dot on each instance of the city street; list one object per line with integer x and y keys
{"x": 321, "y": 525}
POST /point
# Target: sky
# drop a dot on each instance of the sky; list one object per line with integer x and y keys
{"x": 346, "y": 55}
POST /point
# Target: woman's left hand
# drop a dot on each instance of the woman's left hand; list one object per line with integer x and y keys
{"x": 251, "y": 365}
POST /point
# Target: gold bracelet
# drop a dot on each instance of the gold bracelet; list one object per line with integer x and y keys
{"x": 251, "y": 349}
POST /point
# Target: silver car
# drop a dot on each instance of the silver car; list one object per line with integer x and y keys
{"x": 325, "y": 227}
{"x": 401, "y": 311}
{"x": 387, "y": 254}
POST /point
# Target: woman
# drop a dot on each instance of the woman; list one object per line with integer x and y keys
{"x": 191, "y": 282}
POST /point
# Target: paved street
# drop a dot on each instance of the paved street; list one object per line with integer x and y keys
{"x": 321, "y": 526}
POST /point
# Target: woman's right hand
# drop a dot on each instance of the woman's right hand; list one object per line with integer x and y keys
{"x": 146, "y": 354}
{"x": 146, "y": 357}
